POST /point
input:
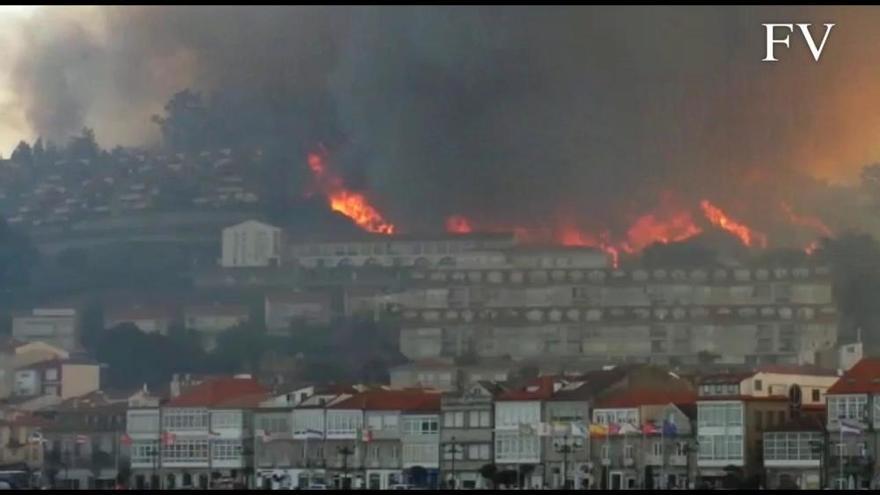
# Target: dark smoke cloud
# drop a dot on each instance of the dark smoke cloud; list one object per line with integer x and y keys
{"x": 508, "y": 115}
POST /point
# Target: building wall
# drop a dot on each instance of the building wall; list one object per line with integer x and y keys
{"x": 746, "y": 316}
{"x": 79, "y": 379}
{"x": 251, "y": 244}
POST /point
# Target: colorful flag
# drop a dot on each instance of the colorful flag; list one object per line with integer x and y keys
{"x": 82, "y": 439}
{"x": 125, "y": 439}
{"x": 669, "y": 427}
{"x": 168, "y": 438}
{"x": 848, "y": 427}
{"x": 365, "y": 435}
{"x": 598, "y": 430}
{"x": 649, "y": 428}
{"x": 628, "y": 429}
{"x": 613, "y": 429}
{"x": 578, "y": 429}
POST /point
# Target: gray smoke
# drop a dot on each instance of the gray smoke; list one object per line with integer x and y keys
{"x": 510, "y": 116}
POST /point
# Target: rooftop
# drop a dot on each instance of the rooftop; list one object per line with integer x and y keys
{"x": 406, "y": 400}
{"x": 862, "y": 378}
{"x": 221, "y": 392}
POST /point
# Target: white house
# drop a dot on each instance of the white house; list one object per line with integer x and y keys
{"x": 251, "y": 244}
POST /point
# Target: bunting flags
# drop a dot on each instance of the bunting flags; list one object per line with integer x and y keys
{"x": 649, "y": 428}
{"x": 578, "y": 429}
{"x": 613, "y": 429}
{"x": 125, "y": 439}
{"x": 562, "y": 429}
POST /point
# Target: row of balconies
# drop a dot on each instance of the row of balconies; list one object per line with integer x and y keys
{"x": 720, "y": 276}
{"x": 803, "y": 313}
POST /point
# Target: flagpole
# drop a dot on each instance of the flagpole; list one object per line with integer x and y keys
{"x": 662, "y": 455}
{"x": 840, "y": 422}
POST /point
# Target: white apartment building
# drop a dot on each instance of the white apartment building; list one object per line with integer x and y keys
{"x": 198, "y": 437}
{"x": 251, "y": 244}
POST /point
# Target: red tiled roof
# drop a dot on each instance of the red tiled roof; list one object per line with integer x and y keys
{"x": 219, "y": 392}
{"x": 862, "y": 378}
{"x": 540, "y": 388}
{"x": 746, "y": 398}
{"x": 393, "y": 400}
{"x": 646, "y": 397}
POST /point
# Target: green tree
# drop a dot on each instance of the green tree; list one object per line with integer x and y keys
{"x": 22, "y": 154}
{"x": 84, "y": 146}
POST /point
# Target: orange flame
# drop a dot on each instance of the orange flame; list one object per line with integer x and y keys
{"x": 718, "y": 218}
{"x": 351, "y": 204}
{"x": 810, "y": 222}
{"x": 649, "y": 229}
{"x": 570, "y": 236}
{"x": 458, "y": 224}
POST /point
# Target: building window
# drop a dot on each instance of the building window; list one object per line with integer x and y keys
{"x": 478, "y": 452}
{"x": 420, "y": 426}
{"x": 226, "y": 450}
{"x": 453, "y": 419}
{"x": 628, "y": 452}
{"x": 186, "y": 451}
{"x": 185, "y": 419}
{"x": 657, "y": 449}
{"x": 758, "y": 385}
{"x": 226, "y": 419}
{"x": 52, "y": 374}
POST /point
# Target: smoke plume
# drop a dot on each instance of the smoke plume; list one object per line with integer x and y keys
{"x": 507, "y": 116}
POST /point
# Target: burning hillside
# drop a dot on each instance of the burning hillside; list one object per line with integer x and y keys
{"x": 670, "y": 222}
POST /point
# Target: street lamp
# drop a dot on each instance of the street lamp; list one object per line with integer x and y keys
{"x": 695, "y": 449}
{"x": 454, "y": 450}
{"x": 818, "y": 447}
{"x": 344, "y": 451}
{"x": 564, "y": 449}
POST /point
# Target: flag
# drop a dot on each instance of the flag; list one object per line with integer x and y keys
{"x": 627, "y": 429}
{"x": 37, "y": 437}
{"x": 544, "y": 430}
{"x": 365, "y": 435}
{"x": 613, "y": 429}
{"x": 264, "y": 435}
{"x": 562, "y": 429}
{"x": 124, "y": 439}
{"x": 82, "y": 439}
{"x": 669, "y": 427}
{"x": 850, "y": 427}
{"x": 578, "y": 429}
{"x": 649, "y": 428}
{"x": 311, "y": 433}
{"x": 213, "y": 433}
{"x": 168, "y": 438}
{"x": 598, "y": 430}
{"x": 526, "y": 429}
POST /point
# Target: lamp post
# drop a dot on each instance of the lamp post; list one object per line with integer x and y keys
{"x": 564, "y": 449}
{"x": 818, "y": 447}
{"x": 344, "y": 451}
{"x": 454, "y": 450}
{"x": 690, "y": 448}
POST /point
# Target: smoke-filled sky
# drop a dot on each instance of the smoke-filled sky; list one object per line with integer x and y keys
{"x": 498, "y": 113}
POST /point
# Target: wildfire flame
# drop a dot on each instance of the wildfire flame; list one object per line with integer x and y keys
{"x": 812, "y": 223}
{"x": 718, "y": 218}
{"x": 351, "y": 204}
{"x": 458, "y": 224}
